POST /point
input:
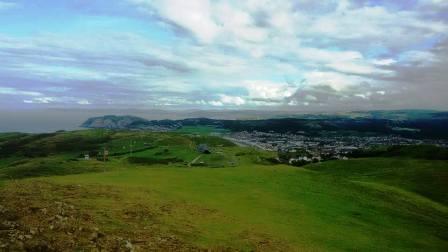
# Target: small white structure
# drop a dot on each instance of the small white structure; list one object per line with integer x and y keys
{"x": 86, "y": 157}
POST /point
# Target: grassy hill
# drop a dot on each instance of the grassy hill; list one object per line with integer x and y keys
{"x": 427, "y": 178}
{"x": 374, "y": 204}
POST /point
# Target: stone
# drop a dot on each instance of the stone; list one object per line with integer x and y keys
{"x": 128, "y": 245}
{"x": 33, "y": 231}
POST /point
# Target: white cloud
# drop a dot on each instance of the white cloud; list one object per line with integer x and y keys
{"x": 337, "y": 81}
{"x": 363, "y": 96}
{"x": 63, "y": 72}
{"x": 40, "y": 100}
{"x": 384, "y": 62}
{"x": 83, "y": 102}
{"x": 7, "y": 5}
{"x": 216, "y": 103}
{"x": 437, "y": 3}
{"x": 233, "y": 50}
{"x": 343, "y": 61}
{"x": 377, "y": 23}
{"x": 292, "y": 103}
{"x": 238, "y": 23}
{"x": 195, "y": 16}
{"x": 356, "y": 68}
{"x": 232, "y": 100}
{"x": 228, "y": 100}
{"x": 263, "y": 89}
{"x": 422, "y": 58}
{"x": 310, "y": 97}
{"x": 14, "y": 91}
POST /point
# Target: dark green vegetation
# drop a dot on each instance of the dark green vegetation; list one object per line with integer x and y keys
{"x": 29, "y": 155}
{"x": 202, "y": 130}
{"x": 421, "y": 152}
{"x": 412, "y": 123}
{"x": 157, "y": 192}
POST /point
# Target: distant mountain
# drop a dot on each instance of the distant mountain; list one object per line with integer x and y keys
{"x": 405, "y": 114}
{"x": 129, "y": 122}
{"x": 426, "y": 127}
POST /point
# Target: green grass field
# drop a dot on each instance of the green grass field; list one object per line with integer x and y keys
{"x": 370, "y": 204}
{"x": 200, "y": 130}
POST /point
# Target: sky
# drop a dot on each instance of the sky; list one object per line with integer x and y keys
{"x": 297, "y": 55}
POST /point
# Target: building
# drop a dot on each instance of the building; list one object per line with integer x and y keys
{"x": 204, "y": 149}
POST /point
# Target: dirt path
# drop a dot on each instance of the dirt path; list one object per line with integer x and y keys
{"x": 194, "y": 160}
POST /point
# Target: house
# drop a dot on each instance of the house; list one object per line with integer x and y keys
{"x": 204, "y": 149}
{"x": 86, "y": 157}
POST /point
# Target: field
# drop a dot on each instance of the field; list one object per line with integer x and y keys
{"x": 235, "y": 201}
{"x": 201, "y": 130}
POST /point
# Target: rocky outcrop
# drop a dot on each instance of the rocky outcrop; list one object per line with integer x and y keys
{"x": 130, "y": 122}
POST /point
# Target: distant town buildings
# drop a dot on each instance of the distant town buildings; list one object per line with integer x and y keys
{"x": 299, "y": 148}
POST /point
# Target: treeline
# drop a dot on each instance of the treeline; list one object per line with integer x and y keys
{"x": 430, "y": 152}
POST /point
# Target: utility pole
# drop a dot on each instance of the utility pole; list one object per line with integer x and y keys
{"x": 105, "y": 154}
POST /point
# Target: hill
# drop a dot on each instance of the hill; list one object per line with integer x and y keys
{"x": 235, "y": 201}
{"x": 428, "y": 126}
{"x": 430, "y": 152}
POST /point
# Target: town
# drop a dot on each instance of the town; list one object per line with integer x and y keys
{"x": 299, "y": 149}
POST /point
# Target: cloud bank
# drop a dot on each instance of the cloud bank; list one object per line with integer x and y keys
{"x": 292, "y": 55}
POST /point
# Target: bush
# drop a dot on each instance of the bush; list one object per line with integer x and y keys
{"x": 151, "y": 161}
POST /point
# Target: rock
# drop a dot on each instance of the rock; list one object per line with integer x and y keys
{"x": 33, "y": 231}
{"x": 96, "y": 235}
{"x": 128, "y": 245}
{"x": 2, "y": 209}
{"x": 44, "y": 211}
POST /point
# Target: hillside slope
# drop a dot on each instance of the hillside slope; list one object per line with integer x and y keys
{"x": 235, "y": 201}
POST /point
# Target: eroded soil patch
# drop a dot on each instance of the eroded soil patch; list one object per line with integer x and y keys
{"x": 40, "y": 216}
